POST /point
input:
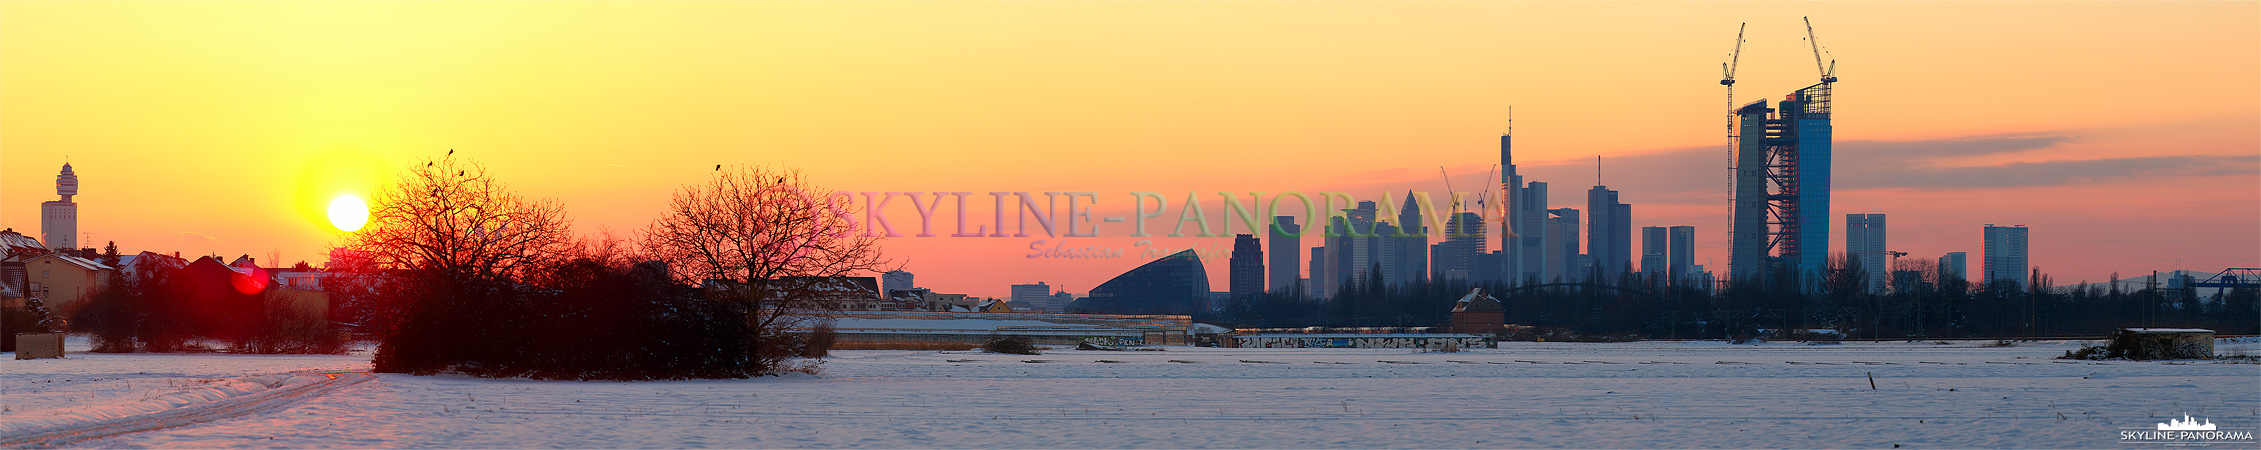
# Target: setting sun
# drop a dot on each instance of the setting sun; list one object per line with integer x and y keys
{"x": 348, "y": 213}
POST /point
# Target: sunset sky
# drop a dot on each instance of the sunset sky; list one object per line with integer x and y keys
{"x": 2127, "y": 135}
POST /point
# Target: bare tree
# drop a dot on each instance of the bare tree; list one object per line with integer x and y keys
{"x": 450, "y": 216}
{"x": 452, "y": 245}
{"x": 768, "y": 241}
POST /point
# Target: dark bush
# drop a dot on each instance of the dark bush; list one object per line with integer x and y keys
{"x": 1011, "y": 346}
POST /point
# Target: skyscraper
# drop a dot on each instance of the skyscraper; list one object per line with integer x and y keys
{"x": 1523, "y": 234}
{"x": 1464, "y": 242}
{"x": 1954, "y": 265}
{"x": 1411, "y": 245}
{"x": 1654, "y": 241}
{"x": 59, "y": 220}
{"x": 1782, "y": 160}
{"x": 1287, "y": 253}
{"x": 1318, "y": 283}
{"x": 2006, "y": 254}
{"x": 1864, "y": 242}
{"x": 1682, "y": 255}
{"x": 1562, "y": 246}
{"x": 1245, "y": 271}
{"x": 1356, "y": 245}
{"x": 1609, "y": 233}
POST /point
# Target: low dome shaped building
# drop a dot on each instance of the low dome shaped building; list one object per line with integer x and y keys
{"x": 1175, "y": 284}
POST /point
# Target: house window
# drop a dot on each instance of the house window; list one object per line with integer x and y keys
{"x": 44, "y": 274}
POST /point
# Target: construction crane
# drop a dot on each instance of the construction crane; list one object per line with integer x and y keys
{"x": 1727, "y": 69}
{"x": 1727, "y": 78}
{"x": 1828, "y": 74}
{"x": 1457, "y": 206}
{"x": 1449, "y": 190}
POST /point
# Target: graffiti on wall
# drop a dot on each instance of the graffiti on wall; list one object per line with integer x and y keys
{"x": 1427, "y": 342}
{"x": 1115, "y": 341}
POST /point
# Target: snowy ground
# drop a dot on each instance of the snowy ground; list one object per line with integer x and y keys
{"x": 1640, "y": 395}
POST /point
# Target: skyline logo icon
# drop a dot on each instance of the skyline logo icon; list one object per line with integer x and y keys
{"x": 2187, "y": 424}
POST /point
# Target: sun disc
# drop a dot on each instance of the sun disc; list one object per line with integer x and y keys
{"x": 348, "y": 213}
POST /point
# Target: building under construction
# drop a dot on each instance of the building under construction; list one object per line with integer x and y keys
{"x": 1782, "y": 186}
{"x": 1782, "y": 158}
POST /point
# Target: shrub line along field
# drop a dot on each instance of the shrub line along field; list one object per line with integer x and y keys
{"x": 1637, "y": 394}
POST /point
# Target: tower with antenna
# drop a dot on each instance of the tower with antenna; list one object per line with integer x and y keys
{"x": 1609, "y": 231}
{"x": 59, "y": 220}
{"x": 1523, "y": 225}
{"x": 1782, "y": 180}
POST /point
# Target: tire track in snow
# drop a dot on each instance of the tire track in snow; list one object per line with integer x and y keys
{"x": 280, "y": 394}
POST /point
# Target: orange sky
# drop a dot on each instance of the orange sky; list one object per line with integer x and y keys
{"x": 2125, "y": 133}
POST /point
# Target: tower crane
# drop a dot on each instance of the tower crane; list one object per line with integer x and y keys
{"x": 1448, "y": 189}
{"x": 1728, "y": 78}
{"x": 1828, "y": 74}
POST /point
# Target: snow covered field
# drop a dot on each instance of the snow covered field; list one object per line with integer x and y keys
{"x": 1642, "y": 394}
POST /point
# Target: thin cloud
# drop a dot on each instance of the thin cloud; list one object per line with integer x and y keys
{"x": 1700, "y": 174}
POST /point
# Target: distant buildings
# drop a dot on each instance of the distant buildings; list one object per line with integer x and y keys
{"x": 1954, "y": 265}
{"x": 1455, "y": 258}
{"x": 1682, "y": 255}
{"x": 1286, "y": 243}
{"x": 1864, "y": 242}
{"x": 2006, "y": 255}
{"x": 1563, "y": 262}
{"x": 896, "y": 280}
{"x": 1609, "y": 233}
{"x": 1654, "y": 243}
{"x": 1409, "y": 255}
{"x": 1175, "y": 284}
{"x": 1523, "y": 236}
{"x": 1245, "y": 271}
{"x": 1037, "y": 295}
{"x": 1351, "y": 252}
{"x": 59, "y": 220}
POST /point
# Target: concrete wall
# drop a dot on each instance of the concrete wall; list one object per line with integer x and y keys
{"x": 39, "y": 345}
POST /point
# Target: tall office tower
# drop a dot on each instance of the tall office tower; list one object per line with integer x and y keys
{"x": 1384, "y": 262}
{"x": 1287, "y": 253}
{"x": 1864, "y": 242}
{"x": 1954, "y": 265}
{"x": 2006, "y": 254}
{"x": 1464, "y": 240}
{"x": 1609, "y": 233}
{"x": 1245, "y": 271}
{"x": 1524, "y": 229}
{"x": 1782, "y": 186}
{"x": 1532, "y": 224}
{"x": 1411, "y": 243}
{"x": 1511, "y": 196}
{"x": 1682, "y": 256}
{"x": 1316, "y": 286}
{"x": 59, "y": 220}
{"x": 896, "y": 280}
{"x": 1353, "y": 247}
{"x": 1653, "y": 243}
{"x": 1562, "y": 246}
